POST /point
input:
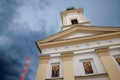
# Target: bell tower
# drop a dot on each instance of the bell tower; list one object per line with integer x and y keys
{"x": 80, "y": 51}
{"x": 73, "y": 16}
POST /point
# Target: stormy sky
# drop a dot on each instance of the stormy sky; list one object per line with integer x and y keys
{"x": 23, "y": 22}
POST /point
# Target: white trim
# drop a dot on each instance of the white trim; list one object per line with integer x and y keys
{"x": 55, "y": 55}
{"x": 116, "y": 56}
{"x": 113, "y": 47}
{"x": 55, "y": 64}
{"x": 84, "y": 51}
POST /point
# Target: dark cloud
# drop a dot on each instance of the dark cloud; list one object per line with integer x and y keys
{"x": 9, "y": 66}
{"x": 7, "y": 11}
{"x": 21, "y": 24}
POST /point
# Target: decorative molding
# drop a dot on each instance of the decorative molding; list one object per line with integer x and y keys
{"x": 44, "y": 57}
{"x": 67, "y": 54}
{"x": 92, "y": 76}
{"x": 79, "y": 40}
{"x": 111, "y": 47}
{"x": 102, "y": 49}
{"x": 55, "y": 55}
{"x": 82, "y": 28}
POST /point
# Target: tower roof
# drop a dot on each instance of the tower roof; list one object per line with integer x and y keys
{"x": 70, "y": 8}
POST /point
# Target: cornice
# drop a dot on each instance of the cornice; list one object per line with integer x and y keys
{"x": 79, "y": 40}
{"x": 89, "y": 29}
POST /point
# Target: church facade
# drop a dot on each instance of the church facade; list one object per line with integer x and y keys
{"x": 80, "y": 51}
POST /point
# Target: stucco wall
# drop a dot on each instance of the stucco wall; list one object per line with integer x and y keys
{"x": 82, "y": 55}
{"x": 90, "y": 56}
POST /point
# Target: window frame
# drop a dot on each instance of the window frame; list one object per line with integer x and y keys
{"x": 92, "y": 64}
{"x": 116, "y": 56}
{"x": 55, "y": 64}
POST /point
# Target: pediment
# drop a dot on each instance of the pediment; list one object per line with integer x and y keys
{"x": 75, "y": 34}
{"x": 78, "y": 34}
{"x": 79, "y": 31}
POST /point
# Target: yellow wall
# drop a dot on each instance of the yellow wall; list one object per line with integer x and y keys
{"x": 68, "y": 73}
{"x": 111, "y": 68}
{"x": 68, "y": 67}
{"x": 42, "y": 68}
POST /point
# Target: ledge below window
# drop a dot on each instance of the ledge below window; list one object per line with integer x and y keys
{"x": 83, "y": 77}
{"x": 92, "y": 76}
{"x": 59, "y": 78}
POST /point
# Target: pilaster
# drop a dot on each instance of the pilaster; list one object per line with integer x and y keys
{"x": 68, "y": 66}
{"x": 42, "y": 68}
{"x": 111, "y": 68}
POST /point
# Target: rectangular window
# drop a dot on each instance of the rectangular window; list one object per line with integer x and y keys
{"x": 55, "y": 71}
{"x": 88, "y": 67}
{"x": 74, "y": 21}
